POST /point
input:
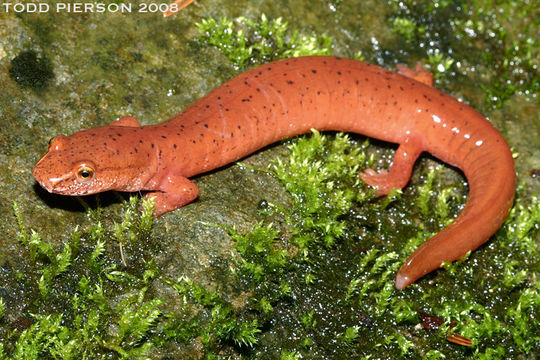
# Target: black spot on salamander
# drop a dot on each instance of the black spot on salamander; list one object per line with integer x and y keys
{"x": 207, "y": 106}
{"x": 140, "y": 141}
{"x": 258, "y": 89}
{"x": 194, "y": 141}
{"x": 290, "y": 82}
{"x": 339, "y": 72}
{"x": 159, "y": 155}
{"x": 118, "y": 134}
{"x": 219, "y": 97}
{"x": 232, "y": 134}
{"x": 92, "y": 134}
{"x": 163, "y": 136}
{"x": 416, "y": 101}
{"x": 427, "y": 110}
{"x": 245, "y": 82}
{"x": 206, "y": 126}
{"x": 388, "y": 86}
{"x": 152, "y": 145}
{"x": 175, "y": 146}
{"x": 136, "y": 150}
{"x": 319, "y": 92}
{"x": 226, "y": 109}
{"x": 366, "y": 79}
{"x": 245, "y": 100}
{"x": 314, "y": 71}
{"x": 325, "y": 62}
{"x": 395, "y": 103}
{"x": 356, "y": 81}
{"x": 239, "y": 127}
{"x": 401, "y": 88}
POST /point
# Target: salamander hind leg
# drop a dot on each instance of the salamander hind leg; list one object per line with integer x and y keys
{"x": 418, "y": 74}
{"x": 172, "y": 192}
{"x": 400, "y": 171}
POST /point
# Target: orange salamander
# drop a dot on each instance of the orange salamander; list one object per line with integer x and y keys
{"x": 287, "y": 98}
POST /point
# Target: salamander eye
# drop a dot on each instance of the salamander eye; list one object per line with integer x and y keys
{"x": 49, "y": 143}
{"x": 85, "y": 173}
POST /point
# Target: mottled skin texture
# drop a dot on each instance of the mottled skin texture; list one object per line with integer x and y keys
{"x": 284, "y": 99}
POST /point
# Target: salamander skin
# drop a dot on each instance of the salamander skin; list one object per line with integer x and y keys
{"x": 287, "y": 98}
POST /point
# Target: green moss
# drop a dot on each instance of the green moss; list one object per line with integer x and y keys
{"x": 321, "y": 176}
{"x": 71, "y": 290}
{"x": 246, "y": 42}
{"x": 446, "y": 33}
{"x": 506, "y": 316}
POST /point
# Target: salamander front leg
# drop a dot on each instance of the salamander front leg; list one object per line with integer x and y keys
{"x": 400, "y": 171}
{"x": 172, "y": 192}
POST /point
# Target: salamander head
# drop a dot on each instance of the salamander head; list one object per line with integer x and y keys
{"x": 89, "y": 162}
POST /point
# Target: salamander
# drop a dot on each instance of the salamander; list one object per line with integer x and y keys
{"x": 286, "y": 98}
